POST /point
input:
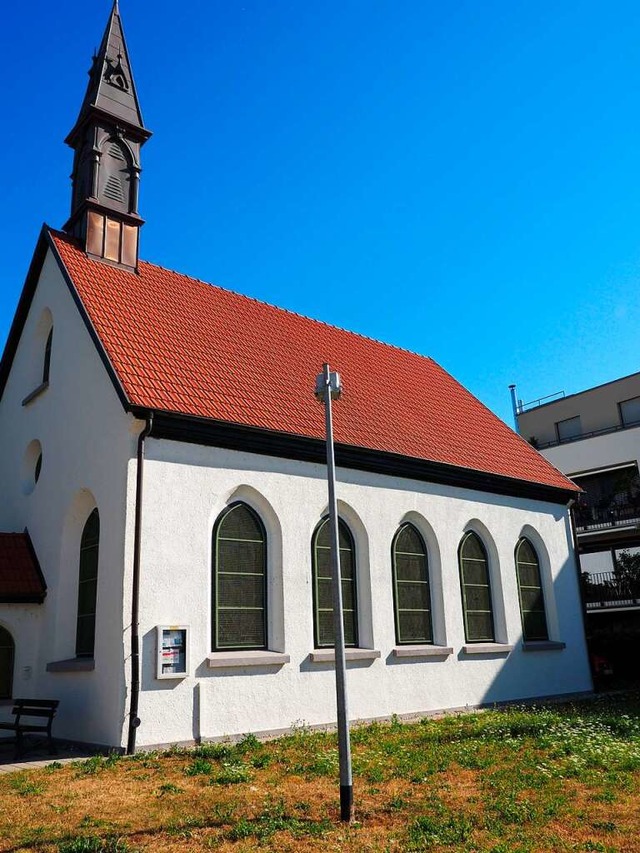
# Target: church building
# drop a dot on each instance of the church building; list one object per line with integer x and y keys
{"x": 164, "y": 547}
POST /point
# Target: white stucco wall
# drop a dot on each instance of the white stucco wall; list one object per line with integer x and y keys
{"x": 187, "y": 486}
{"x": 87, "y": 441}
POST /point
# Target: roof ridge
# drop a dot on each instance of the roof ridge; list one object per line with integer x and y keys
{"x": 298, "y": 314}
{"x": 255, "y": 299}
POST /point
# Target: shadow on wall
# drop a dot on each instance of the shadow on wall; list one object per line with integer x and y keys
{"x": 562, "y": 662}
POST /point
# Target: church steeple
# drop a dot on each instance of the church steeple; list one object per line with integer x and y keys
{"x": 107, "y": 137}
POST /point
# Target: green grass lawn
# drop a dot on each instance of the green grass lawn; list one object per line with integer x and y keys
{"x": 520, "y": 780}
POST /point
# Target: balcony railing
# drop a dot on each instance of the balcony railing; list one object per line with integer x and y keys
{"x": 606, "y": 589}
{"x": 542, "y": 445}
{"x": 619, "y": 512}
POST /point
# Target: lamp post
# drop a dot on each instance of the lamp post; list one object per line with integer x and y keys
{"x": 327, "y": 389}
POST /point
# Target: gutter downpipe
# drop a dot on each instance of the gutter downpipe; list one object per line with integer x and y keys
{"x": 134, "y": 720}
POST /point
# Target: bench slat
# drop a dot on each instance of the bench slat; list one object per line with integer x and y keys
{"x": 34, "y": 712}
{"x": 37, "y": 703}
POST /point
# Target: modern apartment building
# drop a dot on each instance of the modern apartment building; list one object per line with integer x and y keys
{"x": 594, "y": 437}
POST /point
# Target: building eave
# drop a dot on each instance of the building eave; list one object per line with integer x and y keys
{"x": 211, "y": 433}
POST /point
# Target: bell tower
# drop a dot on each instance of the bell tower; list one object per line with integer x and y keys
{"x": 106, "y": 138}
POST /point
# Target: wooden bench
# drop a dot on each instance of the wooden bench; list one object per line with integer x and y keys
{"x": 43, "y": 709}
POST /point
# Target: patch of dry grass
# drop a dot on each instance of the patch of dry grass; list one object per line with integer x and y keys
{"x": 511, "y": 781}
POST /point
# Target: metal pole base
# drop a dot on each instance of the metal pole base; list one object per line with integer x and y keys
{"x": 346, "y": 803}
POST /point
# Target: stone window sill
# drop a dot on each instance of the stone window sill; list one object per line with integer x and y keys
{"x": 218, "y": 660}
{"x": 543, "y": 646}
{"x": 72, "y": 665}
{"x": 487, "y": 648}
{"x": 328, "y": 655}
{"x": 35, "y": 393}
{"x": 421, "y": 651}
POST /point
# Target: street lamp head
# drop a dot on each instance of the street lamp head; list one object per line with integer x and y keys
{"x": 328, "y": 380}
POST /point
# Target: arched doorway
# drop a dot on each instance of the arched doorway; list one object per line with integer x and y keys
{"x": 7, "y": 653}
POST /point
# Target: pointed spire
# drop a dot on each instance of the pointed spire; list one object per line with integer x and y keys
{"x": 111, "y": 90}
{"x": 107, "y": 138}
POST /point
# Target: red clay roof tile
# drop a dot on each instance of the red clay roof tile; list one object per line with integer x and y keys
{"x": 180, "y": 345}
{"x": 20, "y": 576}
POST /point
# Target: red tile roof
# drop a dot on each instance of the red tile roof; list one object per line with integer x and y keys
{"x": 180, "y": 345}
{"x": 20, "y": 576}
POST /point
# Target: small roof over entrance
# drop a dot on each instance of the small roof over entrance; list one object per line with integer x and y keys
{"x": 21, "y": 579}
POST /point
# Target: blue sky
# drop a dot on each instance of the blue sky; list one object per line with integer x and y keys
{"x": 458, "y": 178}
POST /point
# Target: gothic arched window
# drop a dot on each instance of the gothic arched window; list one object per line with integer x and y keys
{"x": 530, "y": 594}
{"x": 7, "y": 654}
{"x": 239, "y": 585}
{"x": 411, "y": 592}
{"x": 324, "y": 634}
{"x": 88, "y": 586}
{"x": 476, "y": 590}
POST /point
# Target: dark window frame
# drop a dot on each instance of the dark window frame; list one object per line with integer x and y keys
{"x": 88, "y": 651}
{"x": 46, "y": 362}
{"x": 394, "y": 576}
{"x": 344, "y": 527}
{"x": 620, "y": 404}
{"x": 575, "y": 437}
{"x": 215, "y": 645}
{"x": 11, "y": 645}
{"x": 463, "y": 585}
{"x": 540, "y": 586}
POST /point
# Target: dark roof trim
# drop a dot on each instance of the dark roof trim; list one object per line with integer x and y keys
{"x": 44, "y": 243}
{"x": 212, "y": 433}
{"x": 90, "y": 327}
{"x": 30, "y": 598}
{"x": 22, "y": 310}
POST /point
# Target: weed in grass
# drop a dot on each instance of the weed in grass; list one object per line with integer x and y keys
{"x": 275, "y": 818}
{"x": 184, "y": 828}
{"x": 55, "y": 765}
{"x": 396, "y": 803}
{"x": 169, "y": 788}
{"x": 261, "y": 760}
{"x": 94, "y": 844}
{"x": 606, "y": 796}
{"x": 249, "y": 743}
{"x": 217, "y": 751}
{"x": 89, "y": 767}
{"x": 318, "y": 763}
{"x": 25, "y": 787}
{"x": 604, "y": 825}
{"x": 232, "y": 774}
{"x": 199, "y": 767}
{"x": 89, "y": 822}
{"x": 444, "y": 828}
{"x": 510, "y": 809}
{"x": 598, "y": 847}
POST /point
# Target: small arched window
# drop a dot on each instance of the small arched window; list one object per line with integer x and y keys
{"x": 7, "y": 654}
{"x": 411, "y": 592}
{"x": 239, "y": 580}
{"x": 88, "y": 586}
{"x": 476, "y": 590}
{"x": 46, "y": 363}
{"x": 324, "y": 635}
{"x": 530, "y": 594}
